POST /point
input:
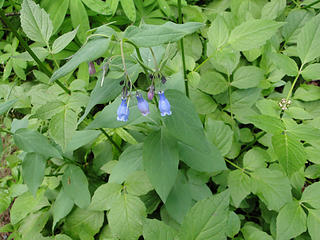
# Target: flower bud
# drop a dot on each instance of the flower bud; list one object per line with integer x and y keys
{"x": 92, "y": 69}
{"x": 151, "y": 92}
{"x": 164, "y": 105}
{"x": 123, "y": 111}
{"x": 143, "y": 105}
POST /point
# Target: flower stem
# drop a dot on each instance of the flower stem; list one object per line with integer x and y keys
{"x": 311, "y": 4}
{"x": 294, "y": 83}
{"x": 182, "y": 51}
{"x": 110, "y": 139}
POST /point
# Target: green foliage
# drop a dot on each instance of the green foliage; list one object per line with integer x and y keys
{"x": 236, "y": 156}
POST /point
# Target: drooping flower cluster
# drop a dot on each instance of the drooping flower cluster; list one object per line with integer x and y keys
{"x": 143, "y": 106}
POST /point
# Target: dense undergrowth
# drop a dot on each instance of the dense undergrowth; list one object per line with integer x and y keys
{"x": 160, "y": 119}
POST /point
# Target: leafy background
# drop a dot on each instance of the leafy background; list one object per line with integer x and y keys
{"x": 238, "y": 158}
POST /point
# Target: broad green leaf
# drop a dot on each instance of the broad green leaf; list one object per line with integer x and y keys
{"x": 213, "y": 83}
{"x": 92, "y": 50}
{"x": 313, "y": 154}
{"x": 5, "y": 201}
{"x": 79, "y": 18}
{"x": 32, "y": 141}
{"x": 62, "y": 237}
{"x": 285, "y": 63}
{"x": 219, "y": 134}
{"x": 98, "y": 6}
{"x": 33, "y": 167}
{"x": 128, "y": 211}
{"x": 272, "y": 187}
{"x": 81, "y": 138}
{"x": 6, "y": 106}
{"x": 240, "y": 186}
{"x": 184, "y": 124}
{"x": 313, "y": 171}
{"x": 138, "y": 183}
{"x": 33, "y": 224}
{"x": 62, "y": 126}
{"x": 309, "y": 40}
{"x": 218, "y": 32}
{"x": 255, "y": 158}
{"x": 233, "y": 224}
{"x": 48, "y": 110}
{"x": 311, "y": 72}
{"x": 307, "y": 93}
{"x": 251, "y": 232}
{"x": 313, "y": 222}
{"x": 244, "y": 98}
{"x": 129, "y": 9}
{"x": 35, "y": 22}
{"x": 61, "y": 207}
{"x": 225, "y": 60}
{"x": 207, "y": 219}
{"x": 273, "y": 9}
{"x": 160, "y": 160}
{"x": 298, "y": 113}
{"x": 267, "y": 123}
{"x": 164, "y": 6}
{"x": 75, "y": 185}
{"x": 61, "y": 42}
{"x": 57, "y": 11}
{"x": 25, "y": 204}
{"x": 311, "y": 195}
{"x": 113, "y": 6}
{"x": 291, "y": 221}
{"x": 180, "y": 199}
{"x": 129, "y": 161}
{"x": 155, "y": 229}
{"x": 105, "y": 196}
{"x": 81, "y": 220}
{"x": 153, "y": 35}
{"x": 203, "y": 103}
{"x": 290, "y": 152}
{"x": 253, "y": 33}
{"x": 247, "y": 77}
{"x": 302, "y": 131}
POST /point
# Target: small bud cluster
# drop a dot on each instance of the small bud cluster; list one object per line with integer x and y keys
{"x": 284, "y": 104}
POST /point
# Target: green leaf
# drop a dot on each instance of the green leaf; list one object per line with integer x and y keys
{"x": 218, "y": 32}
{"x": 48, "y": 110}
{"x": 225, "y": 60}
{"x": 309, "y": 40}
{"x": 285, "y": 63}
{"x": 81, "y": 138}
{"x": 57, "y": 11}
{"x": 129, "y": 9}
{"x": 251, "y": 232}
{"x": 138, "y": 183}
{"x": 129, "y": 161}
{"x": 33, "y": 224}
{"x": 253, "y": 33}
{"x": 290, "y": 152}
{"x": 273, "y": 9}
{"x": 311, "y": 195}
{"x": 244, "y": 98}
{"x": 105, "y": 196}
{"x": 154, "y": 35}
{"x": 33, "y": 167}
{"x": 307, "y": 93}
{"x": 75, "y": 185}
{"x": 92, "y": 50}
{"x": 79, "y": 18}
{"x": 203, "y": 103}
{"x": 6, "y": 106}
{"x": 311, "y": 72}
{"x": 267, "y": 123}
{"x": 240, "y": 186}
{"x": 155, "y": 229}
{"x": 255, "y": 158}
{"x": 98, "y": 6}
{"x": 272, "y": 187}
{"x": 61, "y": 42}
{"x": 25, "y": 204}
{"x": 32, "y": 141}
{"x": 128, "y": 211}
{"x": 207, "y": 219}
{"x": 302, "y": 131}
{"x": 213, "y": 83}
{"x": 61, "y": 207}
{"x": 164, "y": 6}
{"x": 220, "y": 135}
{"x": 185, "y": 125}
{"x": 62, "y": 126}
{"x": 35, "y": 22}
{"x": 81, "y": 220}
{"x": 291, "y": 221}
{"x": 313, "y": 222}
{"x": 160, "y": 160}
{"x": 5, "y": 201}
{"x": 233, "y": 224}
{"x": 247, "y": 77}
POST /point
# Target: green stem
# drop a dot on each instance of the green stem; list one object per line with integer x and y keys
{"x": 29, "y": 50}
{"x": 201, "y": 64}
{"x": 249, "y": 145}
{"x": 6, "y": 131}
{"x": 110, "y": 139}
{"x": 311, "y": 4}
{"x": 294, "y": 83}
{"x": 182, "y": 51}
{"x": 236, "y": 166}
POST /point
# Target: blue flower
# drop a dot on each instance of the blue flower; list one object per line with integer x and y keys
{"x": 164, "y": 105}
{"x": 123, "y": 111}
{"x": 142, "y": 105}
{"x": 92, "y": 69}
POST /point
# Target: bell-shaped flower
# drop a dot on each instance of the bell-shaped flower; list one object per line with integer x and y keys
{"x": 92, "y": 69}
{"x": 151, "y": 92}
{"x": 123, "y": 111}
{"x": 143, "y": 105}
{"x": 164, "y": 105}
